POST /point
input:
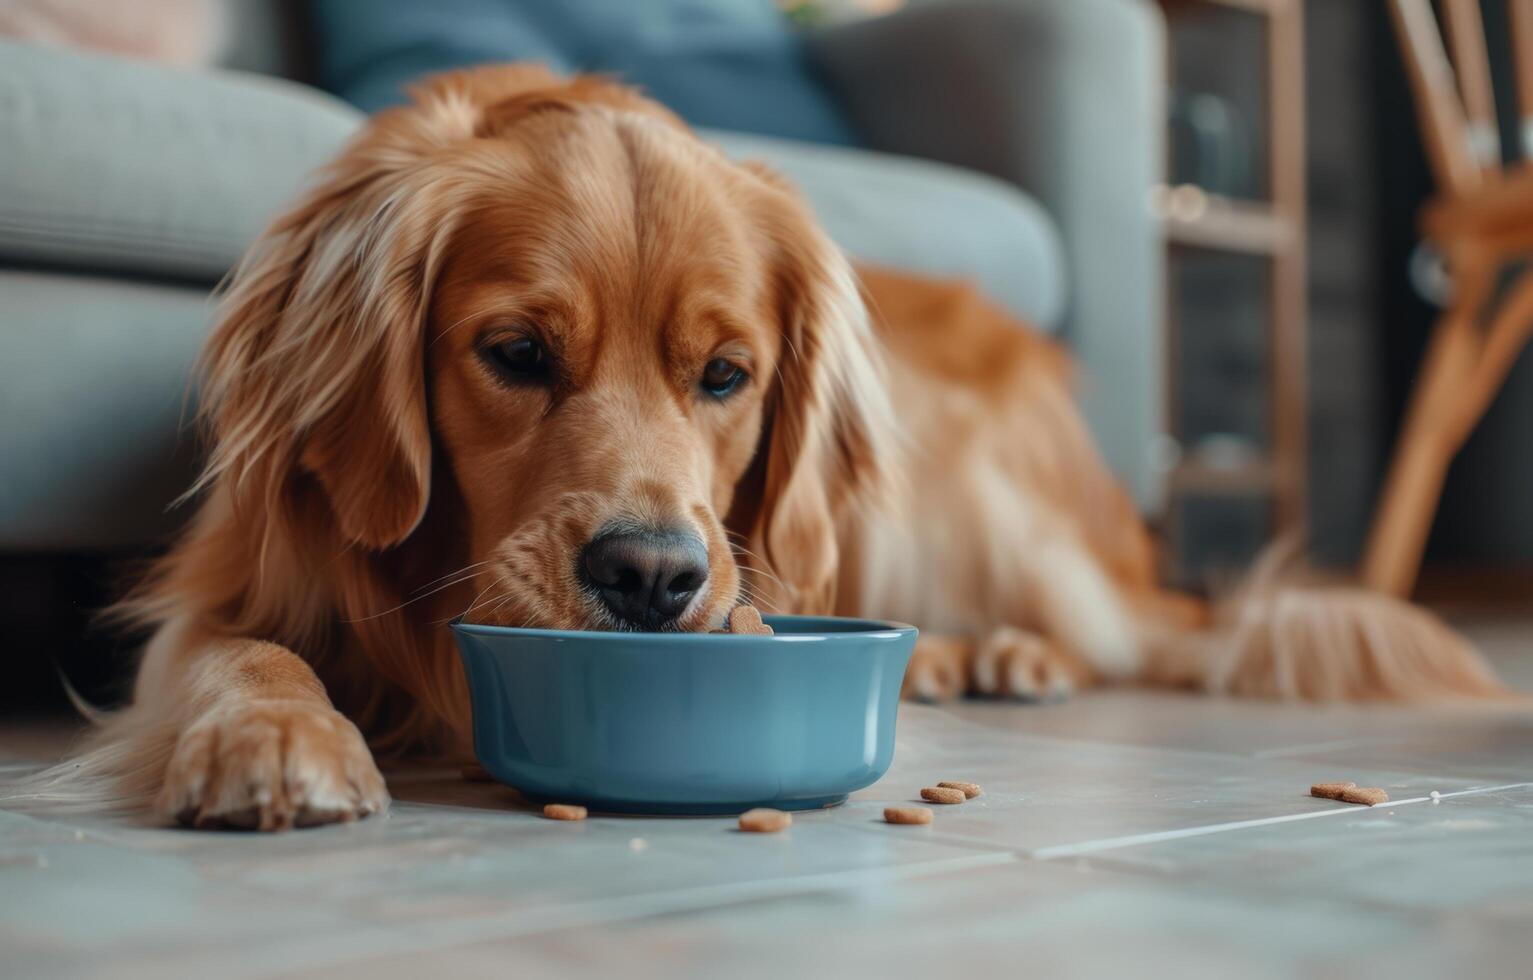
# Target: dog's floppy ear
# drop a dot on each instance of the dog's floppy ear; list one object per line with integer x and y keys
{"x": 316, "y": 364}
{"x": 828, "y": 441}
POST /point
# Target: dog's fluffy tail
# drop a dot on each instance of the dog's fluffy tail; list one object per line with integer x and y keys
{"x": 1276, "y": 637}
{"x": 117, "y": 768}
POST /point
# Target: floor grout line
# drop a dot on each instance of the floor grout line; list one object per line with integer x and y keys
{"x": 1133, "y": 840}
{"x": 1476, "y": 790}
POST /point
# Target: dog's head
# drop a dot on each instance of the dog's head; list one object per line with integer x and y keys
{"x": 639, "y": 372}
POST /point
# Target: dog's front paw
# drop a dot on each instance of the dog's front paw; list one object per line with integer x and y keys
{"x": 1015, "y": 663}
{"x": 270, "y": 765}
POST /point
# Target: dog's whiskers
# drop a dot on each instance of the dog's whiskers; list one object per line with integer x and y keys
{"x": 756, "y": 599}
{"x": 480, "y": 600}
{"x": 474, "y": 566}
{"x": 761, "y": 566}
{"x": 461, "y": 575}
{"x": 500, "y": 604}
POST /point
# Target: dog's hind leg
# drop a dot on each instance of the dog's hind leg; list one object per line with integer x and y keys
{"x": 1027, "y": 666}
{"x": 1007, "y": 662}
{"x": 1049, "y": 622}
{"x": 939, "y": 668}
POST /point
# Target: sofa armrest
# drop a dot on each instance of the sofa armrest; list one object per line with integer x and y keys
{"x": 1063, "y": 98}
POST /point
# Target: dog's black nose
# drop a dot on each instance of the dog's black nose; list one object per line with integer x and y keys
{"x": 646, "y": 577}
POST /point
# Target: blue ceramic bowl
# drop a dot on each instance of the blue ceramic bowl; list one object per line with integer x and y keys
{"x": 687, "y": 722}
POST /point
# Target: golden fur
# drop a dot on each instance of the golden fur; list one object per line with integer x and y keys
{"x": 370, "y": 478}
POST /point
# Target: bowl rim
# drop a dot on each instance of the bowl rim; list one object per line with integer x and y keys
{"x": 876, "y": 629}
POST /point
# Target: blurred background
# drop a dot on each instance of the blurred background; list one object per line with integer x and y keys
{"x": 1213, "y": 202}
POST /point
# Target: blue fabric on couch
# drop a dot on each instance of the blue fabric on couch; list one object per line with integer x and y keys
{"x": 726, "y": 64}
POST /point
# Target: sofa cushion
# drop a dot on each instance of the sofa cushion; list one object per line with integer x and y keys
{"x": 93, "y": 393}
{"x": 112, "y": 164}
{"x": 735, "y": 64}
{"x": 926, "y": 217}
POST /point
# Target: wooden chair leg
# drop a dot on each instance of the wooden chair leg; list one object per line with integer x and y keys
{"x": 1431, "y": 436}
{"x": 1464, "y": 366}
{"x": 1463, "y": 370}
{"x": 1420, "y": 463}
{"x": 1505, "y": 336}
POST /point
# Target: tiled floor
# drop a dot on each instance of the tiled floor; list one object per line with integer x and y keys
{"x": 1125, "y": 833}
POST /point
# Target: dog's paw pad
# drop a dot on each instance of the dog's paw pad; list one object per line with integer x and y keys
{"x": 270, "y": 765}
{"x": 1013, "y": 663}
{"x": 937, "y": 670}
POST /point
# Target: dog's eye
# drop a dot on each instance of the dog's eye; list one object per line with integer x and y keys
{"x": 520, "y": 359}
{"x": 721, "y": 377}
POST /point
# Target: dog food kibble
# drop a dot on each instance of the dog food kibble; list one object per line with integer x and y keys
{"x": 564, "y": 811}
{"x": 970, "y": 790}
{"x": 764, "y": 820}
{"x": 942, "y": 794}
{"x": 1330, "y": 791}
{"x": 747, "y": 619}
{"x": 1370, "y": 795}
{"x": 907, "y": 814}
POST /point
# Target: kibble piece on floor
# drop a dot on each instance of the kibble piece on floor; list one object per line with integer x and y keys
{"x": 907, "y": 814}
{"x": 747, "y": 619}
{"x": 970, "y": 790}
{"x": 1371, "y": 795}
{"x": 564, "y": 811}
{"x": 942, "y": 794}
{"x": 1330, "y": 791}
{"x": 765, "y": 820}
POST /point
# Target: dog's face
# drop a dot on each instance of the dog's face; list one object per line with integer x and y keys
{"x": 645, "y": 371}
{"x": 604, "y": 334}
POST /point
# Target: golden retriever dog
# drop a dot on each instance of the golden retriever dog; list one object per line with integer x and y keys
{"x": 531, "y": 350}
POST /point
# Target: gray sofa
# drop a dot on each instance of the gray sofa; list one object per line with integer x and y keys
{"x": 127, "y": 190}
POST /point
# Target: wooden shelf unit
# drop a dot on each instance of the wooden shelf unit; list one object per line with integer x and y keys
{"x": 1273, "y": 230}
{"x": 1248, "y": 476}
{"x": 1226, "y": 224}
